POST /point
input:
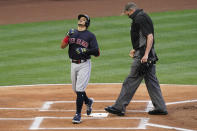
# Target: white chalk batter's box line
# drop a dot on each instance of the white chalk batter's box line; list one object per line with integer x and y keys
{"x": 38, "y": 120}
{"x": 142, "y": 124}
{"x": 46, "y": 106}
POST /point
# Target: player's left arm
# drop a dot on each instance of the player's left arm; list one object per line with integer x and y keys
{"x": 94, "y": 48}
{"x": 93, "y": 51}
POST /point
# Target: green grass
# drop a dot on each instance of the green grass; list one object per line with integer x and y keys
{"x": 30, "y": 53}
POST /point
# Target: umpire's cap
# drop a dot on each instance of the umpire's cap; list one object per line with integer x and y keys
{"x": 130, "y": 5}
{"x": 87, "y": 18}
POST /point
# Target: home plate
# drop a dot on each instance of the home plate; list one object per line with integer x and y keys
{"x": 98, "y": 114}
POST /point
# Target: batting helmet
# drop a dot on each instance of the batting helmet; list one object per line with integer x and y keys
{"x": 87, "y": 24}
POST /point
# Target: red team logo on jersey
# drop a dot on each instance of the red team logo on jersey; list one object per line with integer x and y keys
{"x": 78, "y": 41}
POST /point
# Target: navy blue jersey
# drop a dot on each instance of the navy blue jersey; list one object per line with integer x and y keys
{"x": 84, "y": 39}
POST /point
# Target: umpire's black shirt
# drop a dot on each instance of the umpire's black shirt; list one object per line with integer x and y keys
{"x": 141, "y": 27}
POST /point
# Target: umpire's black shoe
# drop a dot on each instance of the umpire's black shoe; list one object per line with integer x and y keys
{"x": 157, "y": 112}
{"x": 113, "y": 110}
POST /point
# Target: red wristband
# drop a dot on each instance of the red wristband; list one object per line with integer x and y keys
{"x": 66, "y": 39}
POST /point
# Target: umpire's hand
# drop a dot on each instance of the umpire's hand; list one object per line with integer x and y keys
{"x": 144, "y": 59}
{"x": 131, "y": 53}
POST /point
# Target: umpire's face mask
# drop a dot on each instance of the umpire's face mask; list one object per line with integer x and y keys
{"x": 129, "y": 12}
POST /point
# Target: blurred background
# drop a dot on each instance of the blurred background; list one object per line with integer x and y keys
{"x": 31, "y": 32}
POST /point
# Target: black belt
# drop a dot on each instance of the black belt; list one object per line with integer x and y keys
{"x": 78, "y": 61}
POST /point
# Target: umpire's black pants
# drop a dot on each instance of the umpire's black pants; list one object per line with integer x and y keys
{"x": 131, "y": 84}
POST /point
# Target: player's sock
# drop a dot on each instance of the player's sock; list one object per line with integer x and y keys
{"x": 86, "y": 99}
{"x": 79, "y": 102}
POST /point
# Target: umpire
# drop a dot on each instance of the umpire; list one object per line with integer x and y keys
{"x": 143, "y": 66}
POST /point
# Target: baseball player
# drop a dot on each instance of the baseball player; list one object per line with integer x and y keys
{"x": 82, "y": 44}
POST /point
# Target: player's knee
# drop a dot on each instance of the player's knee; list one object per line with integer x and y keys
{"x": 79, "y": 95}
{"x": 79, "y": 90}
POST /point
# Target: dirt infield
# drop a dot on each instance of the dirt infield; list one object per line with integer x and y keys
{"x": 51, "y": 107}
{"x": 20, "y": 11}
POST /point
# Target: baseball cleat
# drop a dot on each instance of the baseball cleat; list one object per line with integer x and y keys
{"x": 113, "y": 110}
{"x": 157, "y": 112}
{"x": 89, "y": 106}
{"x": 76, "y": 119}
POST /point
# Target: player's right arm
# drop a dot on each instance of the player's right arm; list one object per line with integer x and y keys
{"x": 64, "y": 43}
{"x": 66, "y": 39}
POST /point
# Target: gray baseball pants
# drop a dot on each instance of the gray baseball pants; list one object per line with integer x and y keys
{"x": 80, "y": 75}
{"x": 131, "y": 84}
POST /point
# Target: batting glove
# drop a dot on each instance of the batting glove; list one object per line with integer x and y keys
{"x": 70, "y": 32}
{"x": 81, "y": 50}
